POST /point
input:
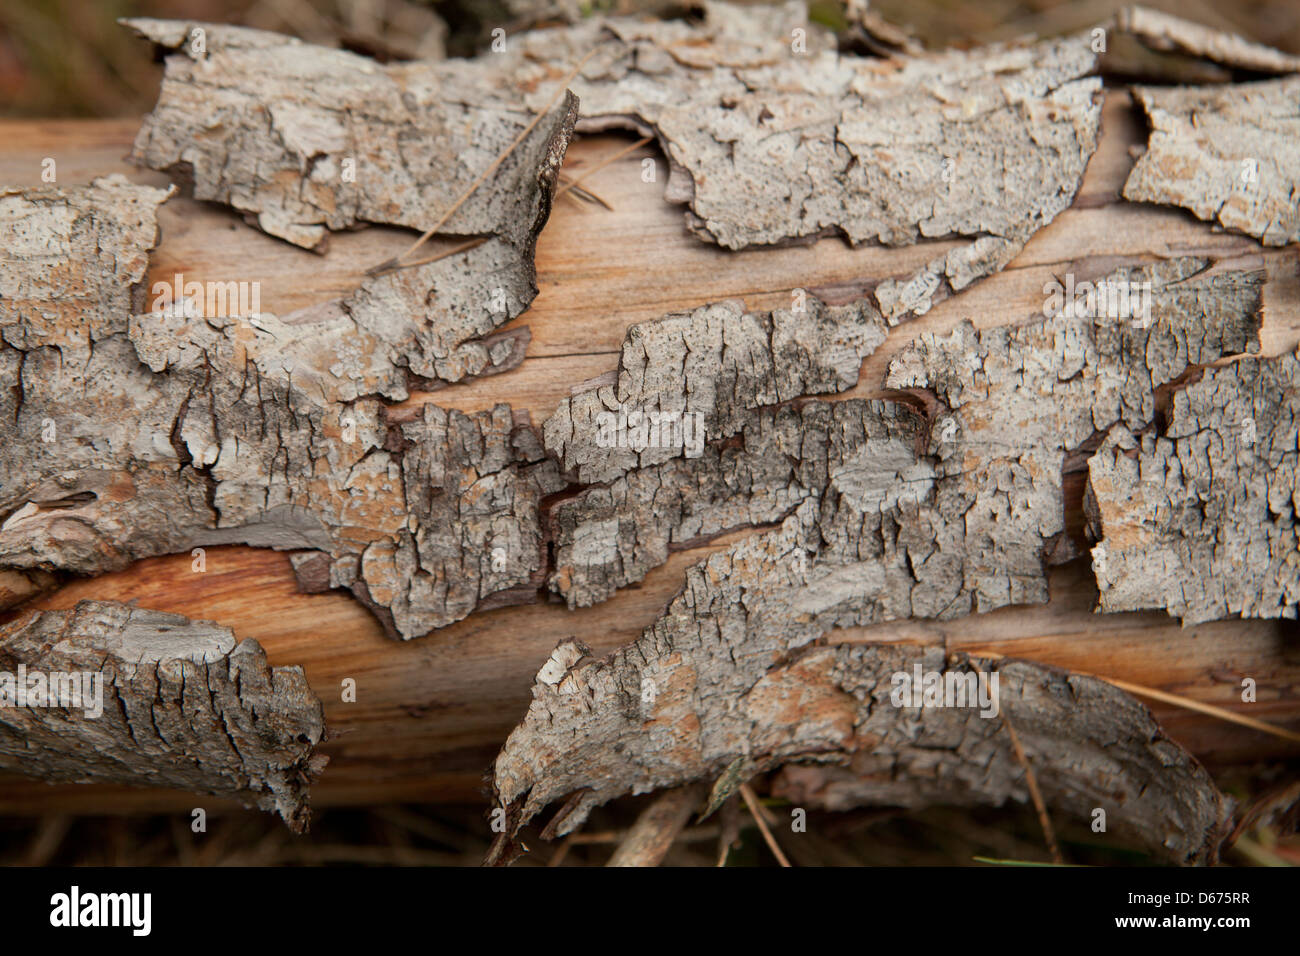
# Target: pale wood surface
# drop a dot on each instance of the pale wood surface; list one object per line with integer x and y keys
{"x": 432, "y": 713}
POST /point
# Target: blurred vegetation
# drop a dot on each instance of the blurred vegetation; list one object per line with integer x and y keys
{"x": 70, "y": 58}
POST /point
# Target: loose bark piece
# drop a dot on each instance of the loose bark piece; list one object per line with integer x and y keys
{"x": 127, "y": 436}
{"x": 304, "y": 139}
{"x": 732, "y": 691}
{"x": 180, "y": 703}
{"x": 877, "y": 34}
{"x": 1230, "y": 154}
{"x": 1200, "y": 520}
{"x": 1166, "y": 32}
{"x": 774, "y": 136}
{"x": 1092, "y": 747}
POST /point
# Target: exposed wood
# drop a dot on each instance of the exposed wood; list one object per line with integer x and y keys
{"x": 431, "y": 714}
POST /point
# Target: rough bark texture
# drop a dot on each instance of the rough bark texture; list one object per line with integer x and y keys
{"x": 1230, "y": 154}
{"x": 1014, "y": 402}
{"x": 772, "y": 136}
{"x": 1200, "y": 520}
{"x": 126, "y": 436}
{"x": 963, "y": 521}
{"x": 735, "y": 699}
{"x": 607, "y": 537}
{"x": 719, "y": 361}
{"x": 1017, "y": 400}
{"x": 304, "y": 139}
{"x": 184, "y": 706}
{"x": 1162, "y": 31}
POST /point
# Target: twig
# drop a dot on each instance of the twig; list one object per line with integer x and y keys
{"x": 463, "y": 247}
{"x": 396, "y": 261}
{"x": 1035, "y": 794}
{"x": 651, "y": 837}
{"x": 1221, "y": 712}
{"x": 756, "y": 811}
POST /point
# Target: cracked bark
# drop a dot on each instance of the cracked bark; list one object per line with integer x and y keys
{"x": 266, "y": 124}
{"x": 1199, "y": 520}
{"x": 1227, "y": 153}
{"x": 901, "y": 521}
{"x": 1012, "y": 404}
{"x": 184, "y": 706}
{"x": 130, "y": 435}
{"x": 718, "y": 361}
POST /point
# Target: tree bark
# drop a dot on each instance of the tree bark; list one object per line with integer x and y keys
{"x": 430, "y": 715}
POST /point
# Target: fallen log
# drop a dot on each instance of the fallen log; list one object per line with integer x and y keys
{"x": 428, "y": 716}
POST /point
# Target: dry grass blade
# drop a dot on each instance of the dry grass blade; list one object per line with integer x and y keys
{"x": 1178, "y": 701}
{"x": 463, "y": 247}
{"x": 756, "y": 810}
{"x": 1213, "y": 711}
{"x": 483, "y": 176}
{"x": 619, "y": 154}
{"x": 1031, "y": 780}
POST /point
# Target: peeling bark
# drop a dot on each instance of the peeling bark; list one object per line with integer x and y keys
{"x": 736, "y": 700}
{"x": 127, "y": 436}
{"x": 772, "y": 136}
{"x": 1200, "y": 520}
{"x": 816, "y": 143}
{"x": 964, "y": 523}
{"x": 1013, "y": 404}
{"x": 1230, "y": 154}
{"x": 266, "y": 124}
{"x": 1168, "y": 33}
{"x": 183, "y": 705}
